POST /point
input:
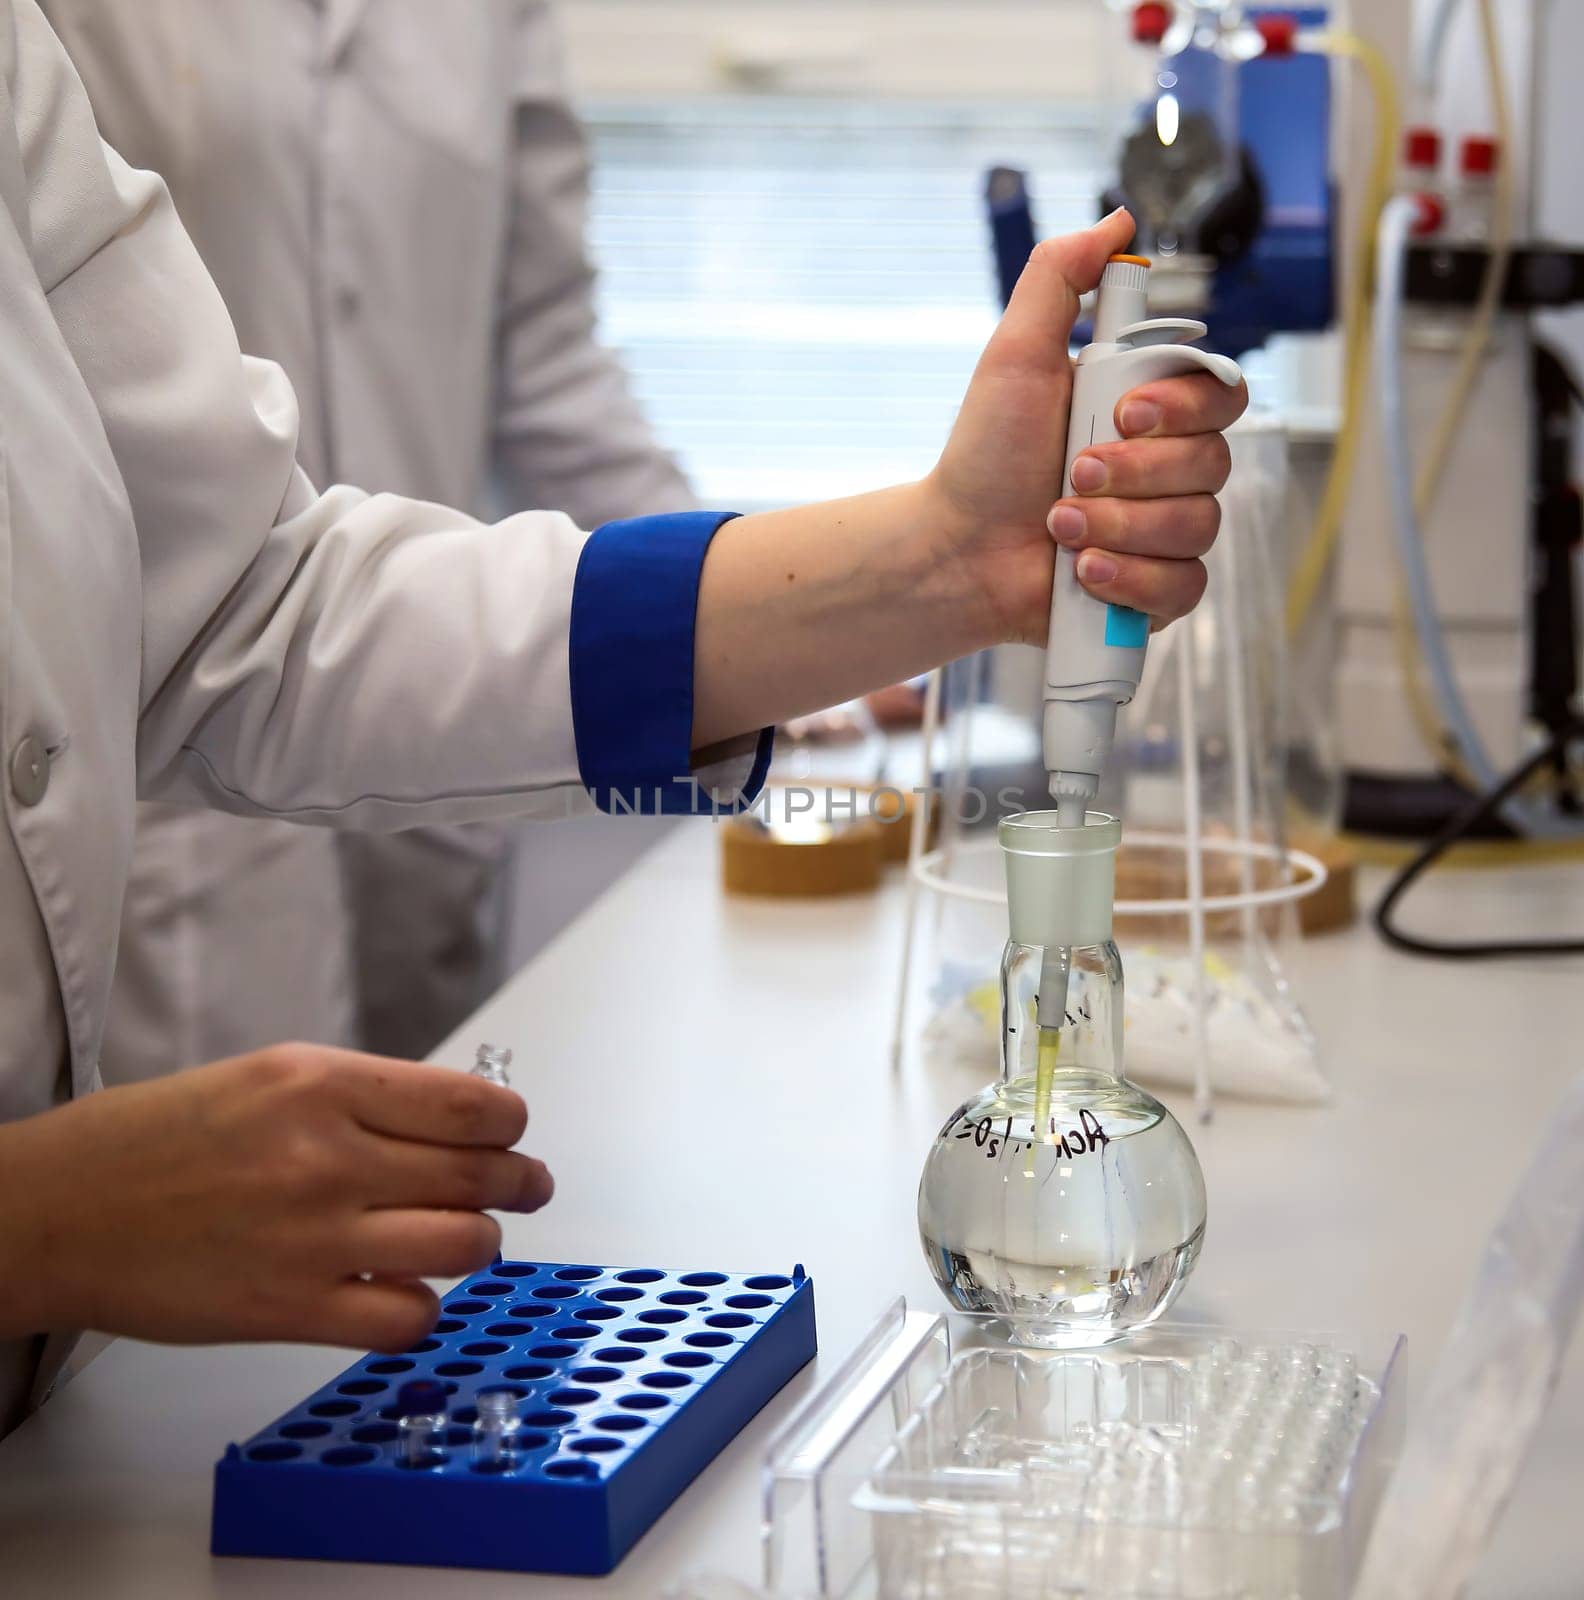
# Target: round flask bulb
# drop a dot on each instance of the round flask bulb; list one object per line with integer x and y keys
{"x": 1062, "y": 1197}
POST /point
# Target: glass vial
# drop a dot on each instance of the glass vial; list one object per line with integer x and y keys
{"x": 421, "y": 1421}
{"x": 1062, "y": 1195}
{"x": 496, "y": 1431}
{"x": 492, "y": 1062}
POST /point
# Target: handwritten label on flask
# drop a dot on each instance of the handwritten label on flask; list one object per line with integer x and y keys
{"x": 993, "y": 1136}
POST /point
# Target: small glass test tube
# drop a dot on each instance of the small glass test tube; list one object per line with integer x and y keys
{"x": 495, "y": 1433}
{"x": 421, "y": 1418}
{"x": 491, "y": 1062}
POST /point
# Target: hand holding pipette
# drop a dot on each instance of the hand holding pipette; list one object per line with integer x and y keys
{"x": 809, "y": 606}
{"x": 1094, "y": 655}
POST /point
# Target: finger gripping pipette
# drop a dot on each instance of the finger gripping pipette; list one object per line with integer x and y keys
{"x": 1095, "y": 655}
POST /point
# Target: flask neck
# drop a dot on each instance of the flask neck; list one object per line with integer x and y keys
{"x": 1090, "y": 1024}
{"x": 1060, "y": 880}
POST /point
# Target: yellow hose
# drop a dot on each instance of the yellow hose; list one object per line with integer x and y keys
{"x": 1438, "y": 740}
{"x": 1310, "y": 569}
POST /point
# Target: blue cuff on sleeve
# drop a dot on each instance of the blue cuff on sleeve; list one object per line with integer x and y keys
{"x": 634, "y": 604}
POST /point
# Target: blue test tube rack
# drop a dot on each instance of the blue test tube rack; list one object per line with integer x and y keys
{"x": 629, "y": 1381}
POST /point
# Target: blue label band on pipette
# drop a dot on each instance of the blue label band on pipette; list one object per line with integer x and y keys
{"x": 1126, "y": 627}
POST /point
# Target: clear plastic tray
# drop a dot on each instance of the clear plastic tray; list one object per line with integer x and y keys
{"x": 945, "y": 1461}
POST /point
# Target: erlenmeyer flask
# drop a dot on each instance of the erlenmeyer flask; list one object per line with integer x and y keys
{"x": 1062, "y": 1194}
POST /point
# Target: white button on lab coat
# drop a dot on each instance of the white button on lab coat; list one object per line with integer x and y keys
{"x": 390, "y": 195}
{"x": 182, "y": 607}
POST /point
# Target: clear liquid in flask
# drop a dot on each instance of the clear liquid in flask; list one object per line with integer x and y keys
{"x": 1084, "y": 1232}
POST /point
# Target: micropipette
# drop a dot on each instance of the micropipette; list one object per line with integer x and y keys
{"x": 1095, "y": 654}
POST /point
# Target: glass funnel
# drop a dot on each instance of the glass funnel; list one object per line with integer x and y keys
{"x": 1062, "y": 1193}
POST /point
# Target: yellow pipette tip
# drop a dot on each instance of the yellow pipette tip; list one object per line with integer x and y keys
{"x": 1044, "y": 1071}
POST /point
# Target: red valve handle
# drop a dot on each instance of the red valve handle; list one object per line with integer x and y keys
{"x": 1150, "y": 22}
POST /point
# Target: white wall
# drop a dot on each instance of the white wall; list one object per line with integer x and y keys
{"x": 920, "y": 48}
{"x": 1543, "y": 41}
{"x": 1559, "y": 195}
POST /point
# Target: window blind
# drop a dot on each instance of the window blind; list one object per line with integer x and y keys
{"x": 801, "y": 288}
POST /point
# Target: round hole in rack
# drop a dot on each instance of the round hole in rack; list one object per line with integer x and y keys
{"x": 618, "y": 1352}
{"x": 572, "y": 1397}
{"x": 467, "y": 1414}
{"x": 376, "y": 1433}
{"x": 362, "y": 1386}
{"x": 707, "y": 1341}
{"x": 665, "y": 1380}
{"x": 490, "y": 1289}
{"x": 532, "y": 1441}
{"x": 449, "y": 1325}
{"x": 274, "y": 1450}
{"x": 553, "y": 1352}
{"x": 578, "y": 1274}
{"x": 640, "y": 1275}
{"x": 767, "y": 1281}
{"x": 394, "y": 1365}
{"x": 640, "y": 1335}
{"x": 595, "y": 1374}
{"x": 728, "y": 1319}
{"x": 466, "y": 1308}
{"x": 689, "y": 1358}
{"x": 458, "y": 1436}
{"x": 595, "y": 1446}
{"x": 335, "y": 1408}
{"x": 643, "y": 1402}
{"x": 423, "y": 1347}
{"x": 549, "y": 1419}
{"x": 623, "y": 1424}
{"x": 597, "y": 1313}
{"x": 424, "y": 1463}
{"x": 579, "y": 1330}
{"x": 749, "y": 1302}
{"x": 459, "y": 1369}
{"x": 529, "y": 1374}
{"x": 526, "y": 1312}
{"x": 703, "y": 1280}
{"x": 449, "y": 1386}
{"x": 571, "y": 1469}
{"x": 514, "y": 1269}
{"x": 506, "y": 1330}
{"x": 618, "y": 1297}
{"x": 305, "y": 1430}
{"x": 349, "y": 1455}
{"x": 492, "y": 1347}
{"x": 553, "y": 1291}
{"x": 662, "y": 1318}
{"x": 684, "y": 1297}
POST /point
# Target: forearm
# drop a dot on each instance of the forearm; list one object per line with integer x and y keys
{"x": 27, "y": 1252}
{"x": 805, "y": 608}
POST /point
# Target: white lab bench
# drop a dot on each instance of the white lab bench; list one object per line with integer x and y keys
{"x": 709, "y": 1079}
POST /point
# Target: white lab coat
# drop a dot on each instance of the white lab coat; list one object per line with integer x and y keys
{"x": 180, "y": 609}
{"x": 390, "y": 195}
